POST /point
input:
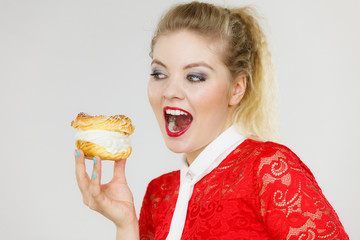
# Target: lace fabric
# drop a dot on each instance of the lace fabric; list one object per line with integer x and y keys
{"x": 260, "y": 191}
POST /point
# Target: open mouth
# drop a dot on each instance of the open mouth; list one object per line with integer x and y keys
{"x": 177, "y": 121}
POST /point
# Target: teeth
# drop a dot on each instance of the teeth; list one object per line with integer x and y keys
{"x": 172, "y": 124}
{"x": 175, "y": 112}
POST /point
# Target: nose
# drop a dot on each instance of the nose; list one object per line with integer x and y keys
{"x": 174, "y": 88}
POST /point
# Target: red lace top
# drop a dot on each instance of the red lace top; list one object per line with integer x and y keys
{"x": 261, "y": 190}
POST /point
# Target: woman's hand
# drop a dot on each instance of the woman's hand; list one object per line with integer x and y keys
{"x": 114, "y": 200}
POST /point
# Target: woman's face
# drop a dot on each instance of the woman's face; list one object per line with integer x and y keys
{"x": 190, "y": 91}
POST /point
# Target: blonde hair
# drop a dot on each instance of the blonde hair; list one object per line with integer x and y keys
{"x": 245, "y": 52}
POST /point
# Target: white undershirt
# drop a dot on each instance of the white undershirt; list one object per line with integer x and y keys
{"x": 207, "y": 160}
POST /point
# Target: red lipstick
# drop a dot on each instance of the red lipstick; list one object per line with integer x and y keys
{"x": 185, "y": 116}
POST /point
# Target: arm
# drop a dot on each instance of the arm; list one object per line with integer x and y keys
{"x": 292, "y": 204}
{"x": 130, "y": 232}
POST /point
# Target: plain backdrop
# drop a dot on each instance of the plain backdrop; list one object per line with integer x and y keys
{"x": 59, "y": 58}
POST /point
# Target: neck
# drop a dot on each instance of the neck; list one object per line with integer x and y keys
{"x": 191, "y": 156}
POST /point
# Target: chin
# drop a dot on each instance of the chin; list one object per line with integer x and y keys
{"x": 176, "y": 145}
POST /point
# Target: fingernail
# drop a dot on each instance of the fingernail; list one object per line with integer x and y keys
{"x": 77, "y": 153}
{"x": 94, "y": 160}
{"x": 94, "y": 175}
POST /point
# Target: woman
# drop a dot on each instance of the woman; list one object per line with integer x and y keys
{"x": 211, "y": 89}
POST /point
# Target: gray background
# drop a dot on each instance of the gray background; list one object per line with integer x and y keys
{"x": 58, "y": 58}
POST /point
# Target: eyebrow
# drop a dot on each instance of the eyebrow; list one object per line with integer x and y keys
{"x": 158, "y": 62}
{"x": 191, "y": 65}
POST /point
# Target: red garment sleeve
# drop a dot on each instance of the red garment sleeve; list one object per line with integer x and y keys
{"x": 146, "y": 228}
{"x": 292, "y": 205}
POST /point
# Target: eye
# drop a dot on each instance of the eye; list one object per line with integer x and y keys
{"x": 158, "y": 75}
{"x": 196, "y": 77}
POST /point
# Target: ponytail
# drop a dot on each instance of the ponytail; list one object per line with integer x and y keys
{"x": 255, "y": 116}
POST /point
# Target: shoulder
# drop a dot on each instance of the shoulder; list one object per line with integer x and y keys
{"x": 279, "y": 159}
{"x": 165, "y": 181}
{"x": 266, "y": 150}
{"x": 263, "y": 148}
{"x": 271, "y": 158}
{"x": 254, "y": 148}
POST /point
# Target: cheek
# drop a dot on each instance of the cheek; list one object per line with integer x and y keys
{"x": 213, "y": 100}
{"x": 153, "y": 93}
{"x": 154, "y": 96}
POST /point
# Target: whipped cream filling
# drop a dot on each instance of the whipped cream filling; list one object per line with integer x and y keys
{"x": 113, "y": 142}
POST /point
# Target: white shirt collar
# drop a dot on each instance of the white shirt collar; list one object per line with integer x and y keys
{"x": 212, "y": 155}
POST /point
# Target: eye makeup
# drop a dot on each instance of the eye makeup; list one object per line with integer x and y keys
{"x": 156, "y": 74}
{"x": 196, "y": 77}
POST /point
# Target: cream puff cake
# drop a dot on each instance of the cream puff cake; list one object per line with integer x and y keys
{"x": 106, "y": 137}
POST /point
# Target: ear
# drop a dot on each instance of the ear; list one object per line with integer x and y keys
{"x": 237, "y": 90}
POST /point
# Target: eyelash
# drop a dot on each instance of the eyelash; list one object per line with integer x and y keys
{"x": 156, "y": 75}
{"x": 200, "y": 77}
{"x": 190, "y": 77}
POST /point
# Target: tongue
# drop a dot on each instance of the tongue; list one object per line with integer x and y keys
{"x": 181, "y": 122}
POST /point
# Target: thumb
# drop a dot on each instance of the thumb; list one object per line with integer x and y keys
{"x": 119, "y": 171}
